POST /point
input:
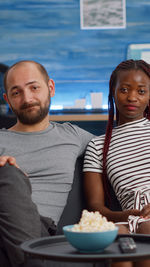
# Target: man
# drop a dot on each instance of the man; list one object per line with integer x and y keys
{"x": 44, "y": 153}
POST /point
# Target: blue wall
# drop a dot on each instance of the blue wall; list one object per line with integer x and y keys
{"x": 79, "y": 61}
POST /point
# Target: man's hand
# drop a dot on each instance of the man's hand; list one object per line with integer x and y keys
{"x": 8, "y": 159}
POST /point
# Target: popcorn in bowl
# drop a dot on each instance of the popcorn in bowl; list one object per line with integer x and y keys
{"x": 93, "y": 222}
{"x": 92, "y": 234}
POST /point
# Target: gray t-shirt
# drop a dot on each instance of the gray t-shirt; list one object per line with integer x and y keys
{"x": 48, "y": 157}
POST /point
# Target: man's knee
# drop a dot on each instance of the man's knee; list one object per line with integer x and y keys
{"x": 19, "y": 218}
{"x": 14, "y": 188}
{"x": 10, "y": 175}
{"x": 18, "y": 213}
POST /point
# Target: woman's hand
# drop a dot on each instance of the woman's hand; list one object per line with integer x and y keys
{"x": 127, "y": 213}
{"x": 145, "y": 212}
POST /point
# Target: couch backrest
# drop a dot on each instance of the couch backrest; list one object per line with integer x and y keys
{"x": 76, "y": 201}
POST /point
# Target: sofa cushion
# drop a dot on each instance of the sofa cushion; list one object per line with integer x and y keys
{"x": 76, "y": 201}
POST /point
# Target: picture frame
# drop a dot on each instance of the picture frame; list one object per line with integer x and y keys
{"x": 102, "y": 14}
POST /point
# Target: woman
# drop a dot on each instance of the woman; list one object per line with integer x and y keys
{"x": 122, "y": 156}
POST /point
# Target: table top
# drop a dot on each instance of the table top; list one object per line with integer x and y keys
{"x": 58, "y": 248}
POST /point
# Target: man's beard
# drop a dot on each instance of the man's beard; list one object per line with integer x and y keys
{"x": 28, "y": 118}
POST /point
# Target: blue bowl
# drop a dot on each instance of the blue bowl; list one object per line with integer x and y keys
{"x": 90, "y": 242}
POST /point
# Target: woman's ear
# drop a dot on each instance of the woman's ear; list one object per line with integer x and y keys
{"x": 51, "y": 85}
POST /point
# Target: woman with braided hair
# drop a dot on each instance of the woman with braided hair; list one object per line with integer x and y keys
{"x": 121, "y": 157}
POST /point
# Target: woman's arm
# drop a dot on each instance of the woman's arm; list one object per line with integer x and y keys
{"x": 94, "y": 194}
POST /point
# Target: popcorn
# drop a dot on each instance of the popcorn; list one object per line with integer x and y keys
{"x": 93, "y": 222}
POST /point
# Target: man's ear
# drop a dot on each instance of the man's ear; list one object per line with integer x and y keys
{"x": 51, "y": 85}
{"x": 6, "y": 99}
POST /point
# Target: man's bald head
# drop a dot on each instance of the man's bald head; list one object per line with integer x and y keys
{"x": 22, "y": 63}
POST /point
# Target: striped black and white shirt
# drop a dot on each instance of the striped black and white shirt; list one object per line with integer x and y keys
{"x": 128, "y": 162}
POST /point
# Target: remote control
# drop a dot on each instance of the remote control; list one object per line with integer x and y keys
{"x": 127, "y": 244}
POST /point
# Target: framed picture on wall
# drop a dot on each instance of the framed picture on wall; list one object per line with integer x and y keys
{"x": 102, "y": 14}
